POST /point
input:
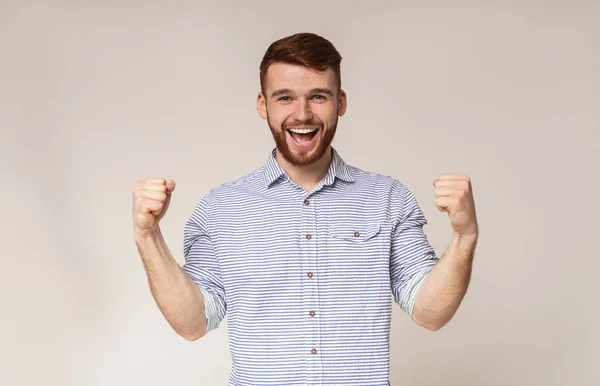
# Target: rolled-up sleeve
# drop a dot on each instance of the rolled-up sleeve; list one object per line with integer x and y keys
{"x": 201, "y": 263}
{"x": 411, "y": 256}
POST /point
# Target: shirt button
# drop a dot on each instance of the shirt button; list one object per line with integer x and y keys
{"x": 306, "y": 202}
{"x": 310, "y": 274}
{"x": 308, "y": 237}
{"x": 312, "y": 313}
{"x": 356, "y": 234}
{"x": 313, "y": 351}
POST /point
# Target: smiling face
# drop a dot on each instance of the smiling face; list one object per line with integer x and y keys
{"x": 301, "y": 106}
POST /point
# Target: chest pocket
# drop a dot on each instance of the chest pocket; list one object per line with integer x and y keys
{"x": 358, "y": 249}
{"x": 356, "y": 233}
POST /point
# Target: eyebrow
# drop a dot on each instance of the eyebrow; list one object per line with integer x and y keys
{"x": 313, "y": 91}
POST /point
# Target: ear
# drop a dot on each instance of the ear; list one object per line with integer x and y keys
{"x": 342, "y": 102}
{"x": 261, "y": 105}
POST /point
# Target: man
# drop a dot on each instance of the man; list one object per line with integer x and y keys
{"x": 303, "y": 253}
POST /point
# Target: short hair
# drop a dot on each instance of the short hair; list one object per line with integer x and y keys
{"x": 305, "y": 49}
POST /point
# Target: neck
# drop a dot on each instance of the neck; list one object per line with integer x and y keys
{"x": 306, "y": 176}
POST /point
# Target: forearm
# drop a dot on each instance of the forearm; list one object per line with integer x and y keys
{"x": 446, "y": 285}
{"x": 177, "y": 296}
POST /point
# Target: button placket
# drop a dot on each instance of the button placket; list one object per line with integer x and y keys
{"x": 310, "y": 237}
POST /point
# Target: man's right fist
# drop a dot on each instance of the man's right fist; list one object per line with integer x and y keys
{"x": 151, "y": 197}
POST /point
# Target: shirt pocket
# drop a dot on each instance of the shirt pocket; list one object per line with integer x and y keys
{"x": 358, "y": 249}
{"x": 356, "y": 233}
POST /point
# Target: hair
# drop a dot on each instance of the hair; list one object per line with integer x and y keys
{"x": 305, "y": 49}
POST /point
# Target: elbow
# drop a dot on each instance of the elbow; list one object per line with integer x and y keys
{"x": 432, "y": 321}
{"x": 433, "y": 326}
{"x": 191, "y": 336}
{"x": 194, "y": 333}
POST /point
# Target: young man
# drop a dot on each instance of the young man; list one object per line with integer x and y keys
{"x": 303, "y": 253}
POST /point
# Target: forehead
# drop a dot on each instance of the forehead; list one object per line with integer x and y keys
{"x": 296, "y": 77}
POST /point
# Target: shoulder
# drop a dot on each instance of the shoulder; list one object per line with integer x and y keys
{"x": 230, "y": 190}
{"x": 387, "y": 190}
{"x": 381, "y": 182}
{"x": 222, "y": 196}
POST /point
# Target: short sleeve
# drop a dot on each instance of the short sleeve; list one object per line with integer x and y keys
{"x": 201, "y": 263}
{"x": 411, "y": 255}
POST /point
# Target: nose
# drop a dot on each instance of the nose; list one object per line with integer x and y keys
{"x": 303, "y": 112}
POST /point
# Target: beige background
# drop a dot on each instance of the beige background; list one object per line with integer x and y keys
{"x": 95, "y": 95}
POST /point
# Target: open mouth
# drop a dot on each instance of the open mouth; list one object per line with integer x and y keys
{"x": 303, "y": 136}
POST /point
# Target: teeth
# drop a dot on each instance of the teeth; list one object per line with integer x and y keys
{"x": 304, "y": 131}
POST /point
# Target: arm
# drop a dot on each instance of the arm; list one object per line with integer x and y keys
{"x": 179, "y": 299}
{"x": 445, "y": 285}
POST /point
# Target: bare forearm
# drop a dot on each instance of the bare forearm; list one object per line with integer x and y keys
{"x": 446, "y": 285}
{"x": 177, "y": 296}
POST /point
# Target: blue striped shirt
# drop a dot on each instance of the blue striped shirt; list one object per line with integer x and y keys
{"x": 307, "y": 278}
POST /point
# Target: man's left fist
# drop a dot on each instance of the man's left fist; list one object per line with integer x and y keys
{"x": 454, "y": 194}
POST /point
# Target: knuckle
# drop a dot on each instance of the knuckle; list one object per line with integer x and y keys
{"x": 139, "y": 201}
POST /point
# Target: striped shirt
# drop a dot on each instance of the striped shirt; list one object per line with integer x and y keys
{"x": 307, "y": 278}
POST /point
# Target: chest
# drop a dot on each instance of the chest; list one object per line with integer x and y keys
{"x": 279, "y": 243}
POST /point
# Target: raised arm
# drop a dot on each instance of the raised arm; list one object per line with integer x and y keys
{"x": 446, "y": 285}
{"x": 179, "y": 299}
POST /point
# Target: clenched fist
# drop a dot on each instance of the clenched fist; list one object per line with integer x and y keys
{"x": 151, "y": 197}
{"x": 454, "y": 195}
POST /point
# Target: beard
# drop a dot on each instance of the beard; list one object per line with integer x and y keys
{"x": 302, "y": 157}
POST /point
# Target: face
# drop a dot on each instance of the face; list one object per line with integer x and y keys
{"x": 301, "y": 107}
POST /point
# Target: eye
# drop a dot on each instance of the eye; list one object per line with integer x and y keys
{"x": 283, "y": 98}
{"x": 319, "y": 97}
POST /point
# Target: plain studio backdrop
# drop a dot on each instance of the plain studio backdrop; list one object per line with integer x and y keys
{"x": 95, "y": 95}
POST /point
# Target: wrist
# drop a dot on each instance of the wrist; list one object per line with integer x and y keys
{"x": 144, "y": 237}
{"x": 465, "y": 240}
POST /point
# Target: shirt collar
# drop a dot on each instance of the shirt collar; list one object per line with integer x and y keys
{"x": 337, "y": 168}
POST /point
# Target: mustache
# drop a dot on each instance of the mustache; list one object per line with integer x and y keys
{"x": 303, "y": 125}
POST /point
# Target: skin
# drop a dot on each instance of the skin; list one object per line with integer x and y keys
{"x": 312, "y": 99}
{"x": 447, "y": 283}
{"x": 444, "y": 288}
{"x": 179, "y": 298}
